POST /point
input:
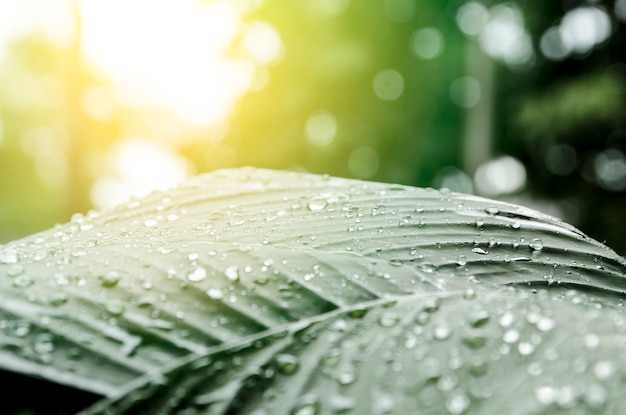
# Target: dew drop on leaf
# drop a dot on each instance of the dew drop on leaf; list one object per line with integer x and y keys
{"x": 21, "y": 329}
{"x": 457, "y": 404}
{"x": 15, "y": 270}
{"x": 536, "y": 244}
{"x": 347, "y": 375}
{"x": 479, "y": 251}
{"x": 115, "y": 307}
{"x": 492, "y": 210}
{"x": 150, "y": 223}
{"x": 197, "y": 274}
{"x": 110, "y": 279}
{"x": 474, "y": 341}
{"x": 603, "y": 369}
{"x": 215, "y": 293}
{"x": 58, "y": 299}
{"x": 545, "y": 324}
{"x": 358, "y": 313}
{"x": 405, "y": 221}
{"x": 478, "y": 368}
{"x": 595, "y": 396}
{"x": 287, "y": 364}
{"x": 461, "y": 260}
{"x": 43, "y": 343}
{"x": 22, "y": 281}
{"x": 510, "y": 336}
{"x": 341, "y": 403}
{"x": 478, "y": 318}
{"x": 261, "y": 280}
{"x": 236, "y": 220}
{"x": 526, "y": 348}
{"x": 546, "y": 395}
{"x": 8, "y": 256}
{"x": 307, "y": 405}
{"x": 316, "y": 204}
{"x": 193, "y": 256}
{"x": 442, "y": 331}
{"x": 430, "y": 305}
{"x": 232, "y": 273}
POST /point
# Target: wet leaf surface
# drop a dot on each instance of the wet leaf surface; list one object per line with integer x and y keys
{"x": 253, "y": 291}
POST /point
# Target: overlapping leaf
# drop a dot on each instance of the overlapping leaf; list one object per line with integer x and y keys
{"x": 251, "y": 290}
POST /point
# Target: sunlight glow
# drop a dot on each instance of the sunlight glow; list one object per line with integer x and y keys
{"x": 51, "y": 17}
{"x": 141, "y": 166}
{"x": 169, "y": 54}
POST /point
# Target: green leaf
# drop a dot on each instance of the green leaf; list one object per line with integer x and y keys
{"x": 253, "y": 291}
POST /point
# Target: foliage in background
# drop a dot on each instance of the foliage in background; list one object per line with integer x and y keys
{"x": 395, "y": 91}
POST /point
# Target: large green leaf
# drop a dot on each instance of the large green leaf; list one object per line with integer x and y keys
{"x": 271, "y": 292}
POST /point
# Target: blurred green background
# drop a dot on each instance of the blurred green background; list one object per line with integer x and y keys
{"x": 519, "y": 100}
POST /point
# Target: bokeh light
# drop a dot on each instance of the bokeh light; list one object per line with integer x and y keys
{"x": 105, "y": 100}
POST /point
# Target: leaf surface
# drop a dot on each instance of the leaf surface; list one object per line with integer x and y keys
{"x": 253, "y": 291}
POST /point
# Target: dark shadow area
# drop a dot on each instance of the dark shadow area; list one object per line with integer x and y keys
{"x": 24, "y": 395}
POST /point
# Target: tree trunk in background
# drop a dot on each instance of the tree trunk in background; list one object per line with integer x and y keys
{"x": 79, "y": 177}
{"x": 478, "y": 132}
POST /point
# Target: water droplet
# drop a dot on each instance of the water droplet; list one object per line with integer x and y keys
{"x": 526, "y": 348}
{"x": 457, "y": 404}
{"x": 150, "y": 223}
{"x": 22, "y": 281}
{"x": 194, "y": 256}
{"x": 506, "y": 319}
{"x": 115, "y": 307}
{"x": 340, "y": 403}
{"x": 110, "y": 279}
{"x": 480, "y": 223}
{"x": 431, "y": 305}
{"x": 21, "y": 328}
{"x": 595, "y": 396}
{"x": 232, "y": 273}
{"x": 347, "y": 376}
{"x": 406, "y": 221}
{"x": 461, "y": 260}
{"x": 592, "y": 341}
{"x": 316, "y": 204}
{"x": 492, "y": 210}
{"x": 536, "y": 244}
{"x": 15, "y": 270}
{"x": 478, "y": 368}
{"x": 478, "y": 318}
{"x": 603, "y": 369}
{"x": 442, "y": 332}
{"x": 511, "y": 336}
{"x": 215, "y": 293}
{"x": 479, "y": 251}
{"x": 307, "y": 405}
{"x": 197, "y": 274}
{"x": 58, "y": 299}
{"x": 236, "y": 220}
{"x": 546, "y": 395}
{"x": 474, "y": 341}
{"x": 545, "y": 324}
{"x": 287, "y": 364}
{"x": 261, "y": 280}
{"x": 358, "y": 313}
{"x": 389, "y": 319}
{"x": 43, "y": 343}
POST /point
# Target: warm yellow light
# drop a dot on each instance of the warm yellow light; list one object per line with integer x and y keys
{"x": 168, "y": 54}
{"x": 140, "y": 166}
